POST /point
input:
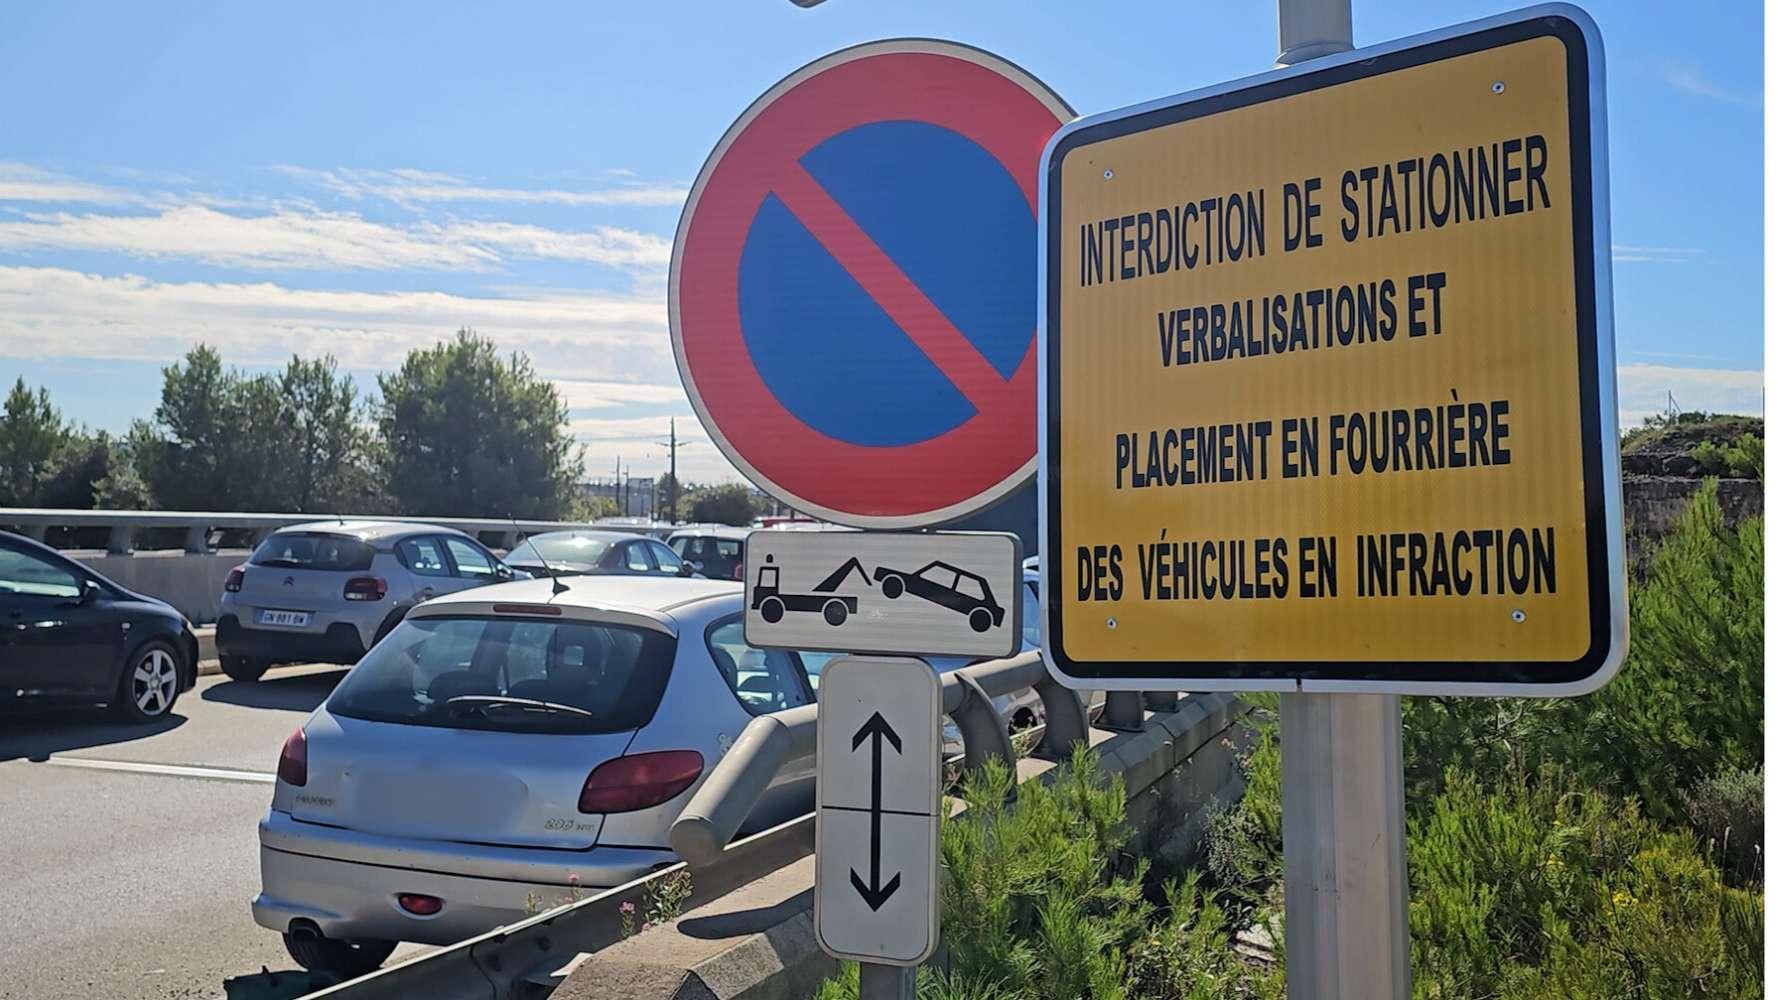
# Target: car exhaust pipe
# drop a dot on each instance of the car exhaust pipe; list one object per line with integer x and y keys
{"x": 305, "y": 930}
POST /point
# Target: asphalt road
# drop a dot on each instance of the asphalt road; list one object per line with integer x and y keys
{"x": 128, "y": 854}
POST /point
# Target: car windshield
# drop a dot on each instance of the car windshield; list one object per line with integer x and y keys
{"x": 560, "y": 550}
{"x": 510, "y": 674}
{"x": 314, "y": 550}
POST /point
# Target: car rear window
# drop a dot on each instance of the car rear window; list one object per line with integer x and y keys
{"x": 314, "y": 550}
{"x": 609, "y": 677}
{"x": 570, "y": 552}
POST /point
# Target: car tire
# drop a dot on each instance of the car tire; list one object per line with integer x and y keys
{"x": 893, "y": 586}
{"x": 244, "y": 668}
{"x": 981, "y": 619}
{"x": 150, "y": 683}
{"x": 346, "y": 958}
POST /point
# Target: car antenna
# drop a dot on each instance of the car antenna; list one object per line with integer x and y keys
{"x": 556, "y": 586}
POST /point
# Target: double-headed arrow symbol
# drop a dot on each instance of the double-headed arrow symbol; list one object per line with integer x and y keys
{"x": 876, "y": 729}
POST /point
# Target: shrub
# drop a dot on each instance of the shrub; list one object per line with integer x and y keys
{"x": 1728, "y": 813}
{"x": 1544, "y": 888}
{"x": 1041, "y": 903}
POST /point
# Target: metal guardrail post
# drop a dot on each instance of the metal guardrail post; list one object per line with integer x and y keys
{"x": 984, "y": 731}
{"x": 1123, "y": 712}
{"x": 119, "y": 541}
{"x": 1065, "y": 718}
{"x": 1161, "y": 701}
{"x": 197, "y": 538}
{"x": 732, "y": 788}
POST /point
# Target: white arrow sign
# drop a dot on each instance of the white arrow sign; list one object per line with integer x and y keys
{"x": 876, "y": 828}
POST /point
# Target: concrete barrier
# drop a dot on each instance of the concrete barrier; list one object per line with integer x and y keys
{"x": 189, "y": 581}
{"x": 758, "y": 942}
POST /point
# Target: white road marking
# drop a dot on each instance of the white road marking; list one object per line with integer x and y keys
{"x": 174, "y": 770}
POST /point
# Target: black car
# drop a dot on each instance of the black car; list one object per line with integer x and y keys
{"x": 70, "y": 636}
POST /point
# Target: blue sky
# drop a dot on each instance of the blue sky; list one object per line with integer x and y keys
{"x": 361, "y": 179}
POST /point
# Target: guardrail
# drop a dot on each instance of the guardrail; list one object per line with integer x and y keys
{"x": 199, "y": 525}
{"x": 530, "y": 958}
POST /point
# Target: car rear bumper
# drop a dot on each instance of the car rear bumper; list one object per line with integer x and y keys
{"x": 346, "y": 882}
{"x": 341, "y": 643}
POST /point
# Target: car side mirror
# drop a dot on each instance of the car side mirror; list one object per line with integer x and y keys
{"x": 502, "y": 572}
{"x": 688, "y": 568}
{"x": 89, "y": 592}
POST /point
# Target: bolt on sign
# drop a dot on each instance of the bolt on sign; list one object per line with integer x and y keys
{"x": 1329, "y": 390}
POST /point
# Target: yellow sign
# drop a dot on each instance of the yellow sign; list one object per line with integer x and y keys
{"x": 1323, "y": 397}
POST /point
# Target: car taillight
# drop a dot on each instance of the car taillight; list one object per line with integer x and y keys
{"x": 639, "y": 781}
{"x": 366, "y": 588}
{"x": 419, "y": 904}
{"x": 236, "y": 577}
{"x": 293, "y": 762}
{"x": 740, "y": 572}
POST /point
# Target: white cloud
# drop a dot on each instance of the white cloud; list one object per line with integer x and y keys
{"x": 411, "y": 188}
{"x": 288, "y": 237}
{"x": 1656, "y": 255}
{"x": 22, "y": 182}
{"x": 579, "y": 395}
{"x": 1642, "y": 390}
{"x": 1689, "y": 79}
{"x": 57, "y": 312}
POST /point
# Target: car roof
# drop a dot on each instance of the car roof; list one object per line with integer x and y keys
{"x": 710, "y": 531}
{"x": 646, "y": 601}
{"x": 369, "y": 531}
{"x": 598, "y": 534}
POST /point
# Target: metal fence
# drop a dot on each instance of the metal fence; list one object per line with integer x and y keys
{"x": 200, "y": 527}
{"x": 530, "y": 958}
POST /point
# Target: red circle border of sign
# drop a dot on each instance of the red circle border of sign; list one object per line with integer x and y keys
{"x": 855, "y": 471}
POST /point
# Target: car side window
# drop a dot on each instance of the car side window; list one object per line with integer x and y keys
{"x": 814, "y": 663}
{"x": 26, "y": 575}
{"x": 422, "y": 556}
{"x": 470, "y": 559}
{"x": 636, "y": 558}
{"x": 1032, "y": 620}
{"x": 687, "y": 548}
{"x": 763, "y": 680}
{"x": 665, "y": 558}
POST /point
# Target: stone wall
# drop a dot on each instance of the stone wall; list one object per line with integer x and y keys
{"x": 1652, "y": 504}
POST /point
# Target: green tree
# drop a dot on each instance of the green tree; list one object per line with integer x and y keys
{"x": 727, "y": 503}
{"x": 32, "y": 431}
{"x": 466, "y": 433}
{"x": 185, "y": 455}
{"x": 326, "y": 433}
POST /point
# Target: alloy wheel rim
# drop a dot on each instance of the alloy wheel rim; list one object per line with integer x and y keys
{"x": 153, "y": 682}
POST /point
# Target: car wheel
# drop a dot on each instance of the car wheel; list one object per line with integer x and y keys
{"x": 772, "y": 610}
{"x": 893, "y": 586}
{"x": 981, "y": 620}
{"x": 150, "y": 683}
{"x": 834, "y": 612}
{"x": 242, "y": 668}
{"x": 347, "y": 958}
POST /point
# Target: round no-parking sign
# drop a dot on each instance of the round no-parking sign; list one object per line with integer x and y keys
{"x": 853, "y": 298}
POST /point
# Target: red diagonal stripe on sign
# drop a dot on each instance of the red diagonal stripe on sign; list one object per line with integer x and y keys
{"x": 907, "y": 306}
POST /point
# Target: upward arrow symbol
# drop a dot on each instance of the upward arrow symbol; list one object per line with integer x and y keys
{"x": 876, "y": 729}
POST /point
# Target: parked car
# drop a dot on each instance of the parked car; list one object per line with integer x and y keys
{"x": 591, "y": 552}
{"x": 326, "y": 591}
{"x": 717, "y": 550}
{"x": 69, "y": 635}
{"x": 502, "y": 745}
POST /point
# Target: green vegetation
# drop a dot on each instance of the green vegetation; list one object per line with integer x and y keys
{"x": 456, "y": 430}
{"x": 467, "y": 433}
{"x": 725, "y": 503}
{"x": 1599, "y": 847}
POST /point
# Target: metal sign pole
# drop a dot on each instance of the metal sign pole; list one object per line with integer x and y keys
{"x": 1345, "y": 857}
{"x": 885, "y": 982}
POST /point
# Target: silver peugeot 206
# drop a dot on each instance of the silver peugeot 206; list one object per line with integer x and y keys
{"x": 504, "y": 745}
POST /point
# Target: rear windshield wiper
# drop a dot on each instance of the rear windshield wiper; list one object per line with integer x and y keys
{"x": 487, "y": 704}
